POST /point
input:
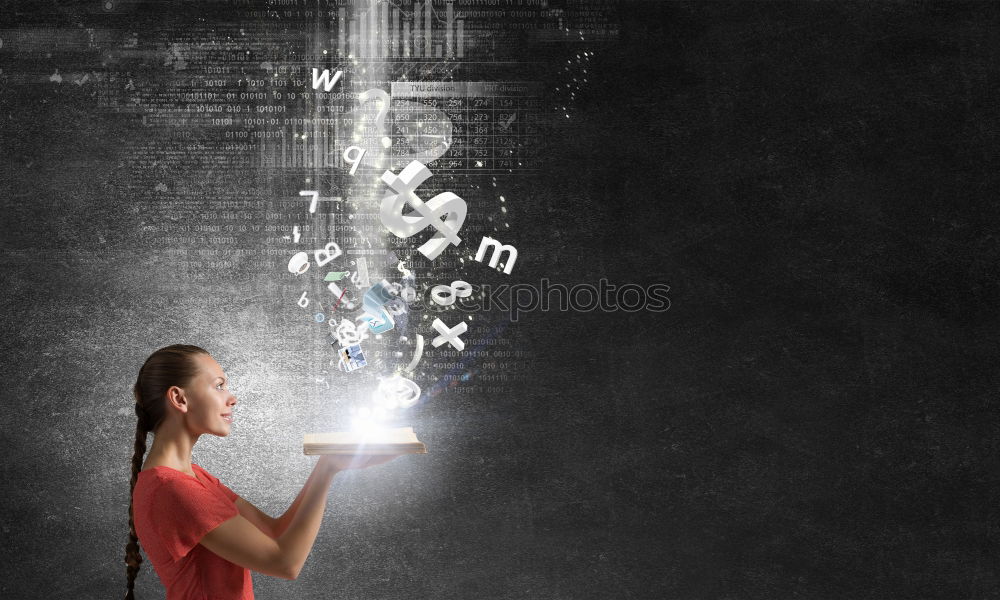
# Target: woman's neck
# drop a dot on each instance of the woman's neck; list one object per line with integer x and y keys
{"x": 171, "y": 447}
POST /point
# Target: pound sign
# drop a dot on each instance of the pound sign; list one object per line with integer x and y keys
{"x": 391, "y": 211}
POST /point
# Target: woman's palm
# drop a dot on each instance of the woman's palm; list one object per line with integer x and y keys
{"x": 344, "y": 462}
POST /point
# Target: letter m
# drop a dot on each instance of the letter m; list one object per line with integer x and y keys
{"x": 489, "y": 242}
{"x": 325, "y": 79}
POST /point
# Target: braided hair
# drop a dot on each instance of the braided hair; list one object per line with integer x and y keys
{"x": 169, "y": 366}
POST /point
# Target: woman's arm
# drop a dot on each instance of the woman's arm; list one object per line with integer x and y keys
{"x": 260, "y": 519}
{"x": 271, "y": 526}
{"x": 239, "y": 541}
{"x": 282, "y": 522}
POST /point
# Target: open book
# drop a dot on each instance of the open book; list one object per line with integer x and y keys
{"x": 400, "y": 440}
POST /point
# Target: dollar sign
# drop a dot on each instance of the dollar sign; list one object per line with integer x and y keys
{"x": 430, "y": 212}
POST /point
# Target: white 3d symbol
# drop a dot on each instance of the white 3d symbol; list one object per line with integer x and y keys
{"x": 498, "y": 248}
{"x": 417, "y": 353}
{"x": 347, "y": 334}
{"x": 397, "y": 392}
{"x": 445, "y": 294}
{"x": 430, "y": 212}
{"x": 449, "y": 335}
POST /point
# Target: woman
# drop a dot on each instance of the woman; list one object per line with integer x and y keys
{"x": 202, "y": 538}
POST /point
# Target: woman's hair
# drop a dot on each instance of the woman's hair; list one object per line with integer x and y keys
{"x": 170, "y": 366}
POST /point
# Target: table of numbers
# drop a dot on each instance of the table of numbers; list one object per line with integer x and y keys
{"x": 493, "y": 124}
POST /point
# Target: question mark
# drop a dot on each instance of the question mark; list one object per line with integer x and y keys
{"x": 354, "y": 154}
{"x": 382, "y": 111}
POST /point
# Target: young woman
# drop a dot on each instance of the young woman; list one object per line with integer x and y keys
{"x": 202, "y": 538}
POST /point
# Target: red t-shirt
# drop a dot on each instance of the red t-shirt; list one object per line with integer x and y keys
{"x": 172, "y": 512}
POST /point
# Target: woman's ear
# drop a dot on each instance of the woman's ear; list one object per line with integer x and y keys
{"x": 176, "y": 399}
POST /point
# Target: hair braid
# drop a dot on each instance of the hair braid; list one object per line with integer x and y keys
{"x": 132, "y": 556}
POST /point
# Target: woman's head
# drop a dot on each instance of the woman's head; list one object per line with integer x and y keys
{"x": 186, "y": 385}
{"x": 183, "y": 385}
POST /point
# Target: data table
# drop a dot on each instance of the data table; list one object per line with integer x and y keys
{"x": 493, "y": 125}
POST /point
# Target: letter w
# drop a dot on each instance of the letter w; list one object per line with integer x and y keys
{"x": 325, "y": 79}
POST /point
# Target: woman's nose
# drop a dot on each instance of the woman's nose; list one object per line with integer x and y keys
{"x": 232, "y": 399}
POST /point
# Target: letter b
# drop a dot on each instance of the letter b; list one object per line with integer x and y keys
{"x": 327, "y": 254}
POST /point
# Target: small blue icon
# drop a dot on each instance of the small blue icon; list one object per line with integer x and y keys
{"x": 378, "y": 320}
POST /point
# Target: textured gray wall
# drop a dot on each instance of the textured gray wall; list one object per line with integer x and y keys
{"x": 814, "y": 417}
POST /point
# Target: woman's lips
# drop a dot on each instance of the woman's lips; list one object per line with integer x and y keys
{"x": 228, "y": 418}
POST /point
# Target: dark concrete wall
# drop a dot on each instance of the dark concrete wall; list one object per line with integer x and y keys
{"x": 812, "y": 418}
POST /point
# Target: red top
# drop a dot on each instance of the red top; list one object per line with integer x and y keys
{"x": 172, "y": 512}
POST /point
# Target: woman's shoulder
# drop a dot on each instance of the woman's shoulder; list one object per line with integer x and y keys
{"x": 156, "y": 485}
{"x": 202, "y": 472}
{"x": 155, "y": 476}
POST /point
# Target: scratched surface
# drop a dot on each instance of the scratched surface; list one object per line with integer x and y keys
{"x": 814, "y": 417}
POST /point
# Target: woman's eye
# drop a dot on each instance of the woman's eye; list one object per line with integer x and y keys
{"x": 219, "y": 387}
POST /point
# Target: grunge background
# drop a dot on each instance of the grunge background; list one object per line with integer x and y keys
{"x": 813, "y": 417}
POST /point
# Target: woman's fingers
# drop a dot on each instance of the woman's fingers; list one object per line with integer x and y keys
{"x": 345, "y": 462}
{"x": 378, "y": 459}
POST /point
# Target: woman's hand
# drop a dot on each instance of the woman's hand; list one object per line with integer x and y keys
{"x": 344, "y": 462}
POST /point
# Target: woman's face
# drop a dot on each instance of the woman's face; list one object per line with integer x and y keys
{"x": 210, "y": 404}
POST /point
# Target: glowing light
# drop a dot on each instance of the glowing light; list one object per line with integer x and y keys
{"x": 396, "y": 392}
{"x": 366, "y": 426}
